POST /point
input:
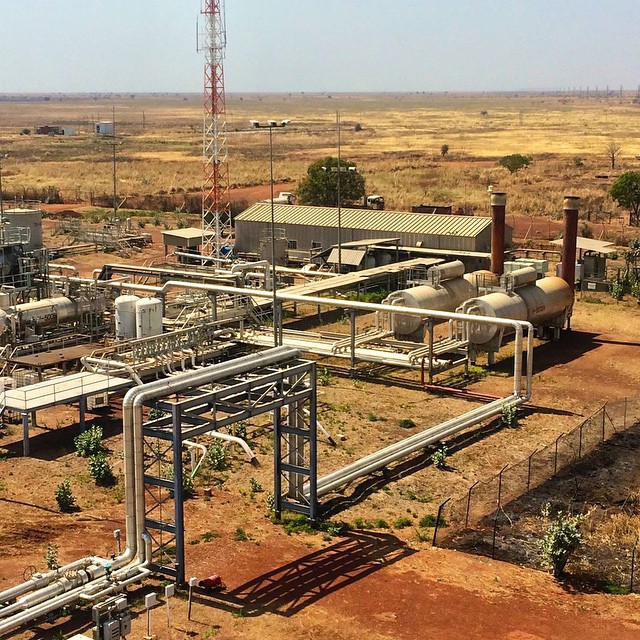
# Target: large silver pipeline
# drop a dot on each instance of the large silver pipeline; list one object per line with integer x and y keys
{"x": 398, "y": 450}
{"x": 132, "y": 406}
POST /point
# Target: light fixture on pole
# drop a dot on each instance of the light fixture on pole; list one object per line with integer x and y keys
{"x": 271, "y": 125}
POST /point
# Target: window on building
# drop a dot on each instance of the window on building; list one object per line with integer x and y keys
{"x": 292, "y": 244}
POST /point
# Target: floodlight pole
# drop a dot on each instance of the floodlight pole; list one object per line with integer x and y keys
{"x": 339, "y": 211}
{"x": 277, "y": 322}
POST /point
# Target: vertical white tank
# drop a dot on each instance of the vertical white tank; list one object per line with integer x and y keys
{"x": 148, "y": 317}
{"x": 126, "y": 317}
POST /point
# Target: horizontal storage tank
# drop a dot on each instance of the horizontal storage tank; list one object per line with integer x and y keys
{"x": 148, "y": 317}
{"x": 540, "y": 303}
{"x": 446, "y": 271}
{"x": 444, "y": 297}
{"x": 493, "y": 305}
{"x": 519, "y": 277}
{"x": 125, "y": 307}
{"x": 548, "y": 299}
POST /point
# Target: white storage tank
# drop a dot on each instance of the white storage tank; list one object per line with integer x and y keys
{"x": 24, "y": 219}
{"x": 148, "y": 317}
{"x": 444, "y": 297}
{"x": 126, "y": 316}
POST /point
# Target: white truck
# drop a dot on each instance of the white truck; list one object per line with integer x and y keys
{"x": 284, "y": 197}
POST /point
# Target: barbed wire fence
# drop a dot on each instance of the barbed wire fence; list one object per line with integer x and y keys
{"x": 494, "y": 517}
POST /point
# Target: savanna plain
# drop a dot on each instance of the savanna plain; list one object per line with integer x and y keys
{"x": 372, "y": 571}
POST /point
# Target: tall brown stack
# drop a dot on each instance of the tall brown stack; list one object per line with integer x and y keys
{"x": 569, "y": 240}
{"x": 498, "y": 208}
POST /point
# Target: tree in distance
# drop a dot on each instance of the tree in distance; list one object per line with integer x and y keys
{"x": 626, "y": 192}
{"x": 320, "y": 186}
{"x": 613, "y": 150}
{"x": 514, "y": 162}
{"x": 444, "y": 149}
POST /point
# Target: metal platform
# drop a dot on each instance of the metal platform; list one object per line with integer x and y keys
{"x": 77, "y": 387}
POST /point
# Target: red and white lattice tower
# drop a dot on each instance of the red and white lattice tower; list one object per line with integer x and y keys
{"x": 216, "y": 207}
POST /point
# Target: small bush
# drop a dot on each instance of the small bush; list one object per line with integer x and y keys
{"x": 402, "y": 523}
{"x": 514, "y": 162}
{"x": 64, "y": 497}
{"x": 100, "y": 470}
{"x": 509, "y": 416}
{"x": 240, "y": 535}
{"x": 578, "y": 162}
{"x": 428, "y": 521}
{"x": 89, "y": 443}
{"x": 240, "y": 430}
{"x": 324, "y": 377}
{"x": 380, "y": 523}
{"x": 255, "y": 486}
{"x": 217, "y": 457}
{"x": 439, "y": 457}
{"x": 407, "y": 423}
{"x": 208, "y": 536}
{"x": 560, "y": 540}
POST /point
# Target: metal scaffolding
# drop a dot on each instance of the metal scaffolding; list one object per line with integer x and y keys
{"x": 287, "y": 389}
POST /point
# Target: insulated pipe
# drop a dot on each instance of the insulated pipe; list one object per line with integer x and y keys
{"x": 498, "y": 207}
{"x": 64, "y": 267}
{"x": 132, "y": 414}
{"x": 401, "y": 449}
{"x": 249, "y": 266}
{"x": 569, "y": 240}
{"x": 517, "y": 325}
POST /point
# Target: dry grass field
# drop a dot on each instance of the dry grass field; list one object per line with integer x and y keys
{"x": 383, "y": 580}
{"x": 398, "y": 148}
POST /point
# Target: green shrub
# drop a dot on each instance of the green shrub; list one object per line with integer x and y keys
{"x": 240, "y": 430}
{"x": 89, "y": 443}
{"x": 561, "y": 539}
{"x": 407, "y": 423}
{"x": 64, "y": 497}
{"x": 509, "y": 416}
{"x": 324, "y": 377}
{"x": 100, "y": 470}
{"x": 439, "y": 457}
{"x": 402, "y": 523}
{"x": 217, "y": 457}
{"x": 514, "y": 162}
{"x": 188, "y": 486}
{"x": 240, "y": 535}
{"x": 255, "y": 486}
{"x": 380, "y": 523}
{"x": 428, "y": 521}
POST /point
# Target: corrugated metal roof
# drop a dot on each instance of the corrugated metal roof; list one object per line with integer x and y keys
{"x": 370, "y": 220}
{"x": 351, "y": 257}
{"x": 589, "y": 244}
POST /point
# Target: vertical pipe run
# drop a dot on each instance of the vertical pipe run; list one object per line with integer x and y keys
{"x": 569, "y": 239}
{"x": 498, "y": 208}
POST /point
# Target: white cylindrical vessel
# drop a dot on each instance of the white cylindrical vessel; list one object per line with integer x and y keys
{"x": 520, "y": 277}
{"x": 493, "y": 305}
{"x": 447, "y": 271}
{"x": 445, "y": 297}
{"x": 148, "y": 317}
{"x": 547, "y": 299}
{"x": 125, "y": 307}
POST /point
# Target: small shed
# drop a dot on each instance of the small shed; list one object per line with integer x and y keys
{"x": 105, "y": 128}
{"x": 189, "y": 239}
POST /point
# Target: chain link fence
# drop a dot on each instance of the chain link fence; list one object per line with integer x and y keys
{"x": 500, "y": 516}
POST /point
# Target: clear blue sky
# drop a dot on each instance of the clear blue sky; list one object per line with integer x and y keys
{"x": 322, "y": 45}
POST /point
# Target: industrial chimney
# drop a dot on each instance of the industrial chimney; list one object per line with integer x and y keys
{"x": 498, "y": 207}
{"x": 569, "y": 240}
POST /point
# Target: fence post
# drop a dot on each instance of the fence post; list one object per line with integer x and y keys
{"x": 580, "y": 439}
{"x": 435, "y": 531}
{"x": 466, "y": 517}
{"x": 498, "y": 507}
{"x": 555, "y": 461}
{"x": 633, "y": 564}
{"x": 529, "y": 470}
